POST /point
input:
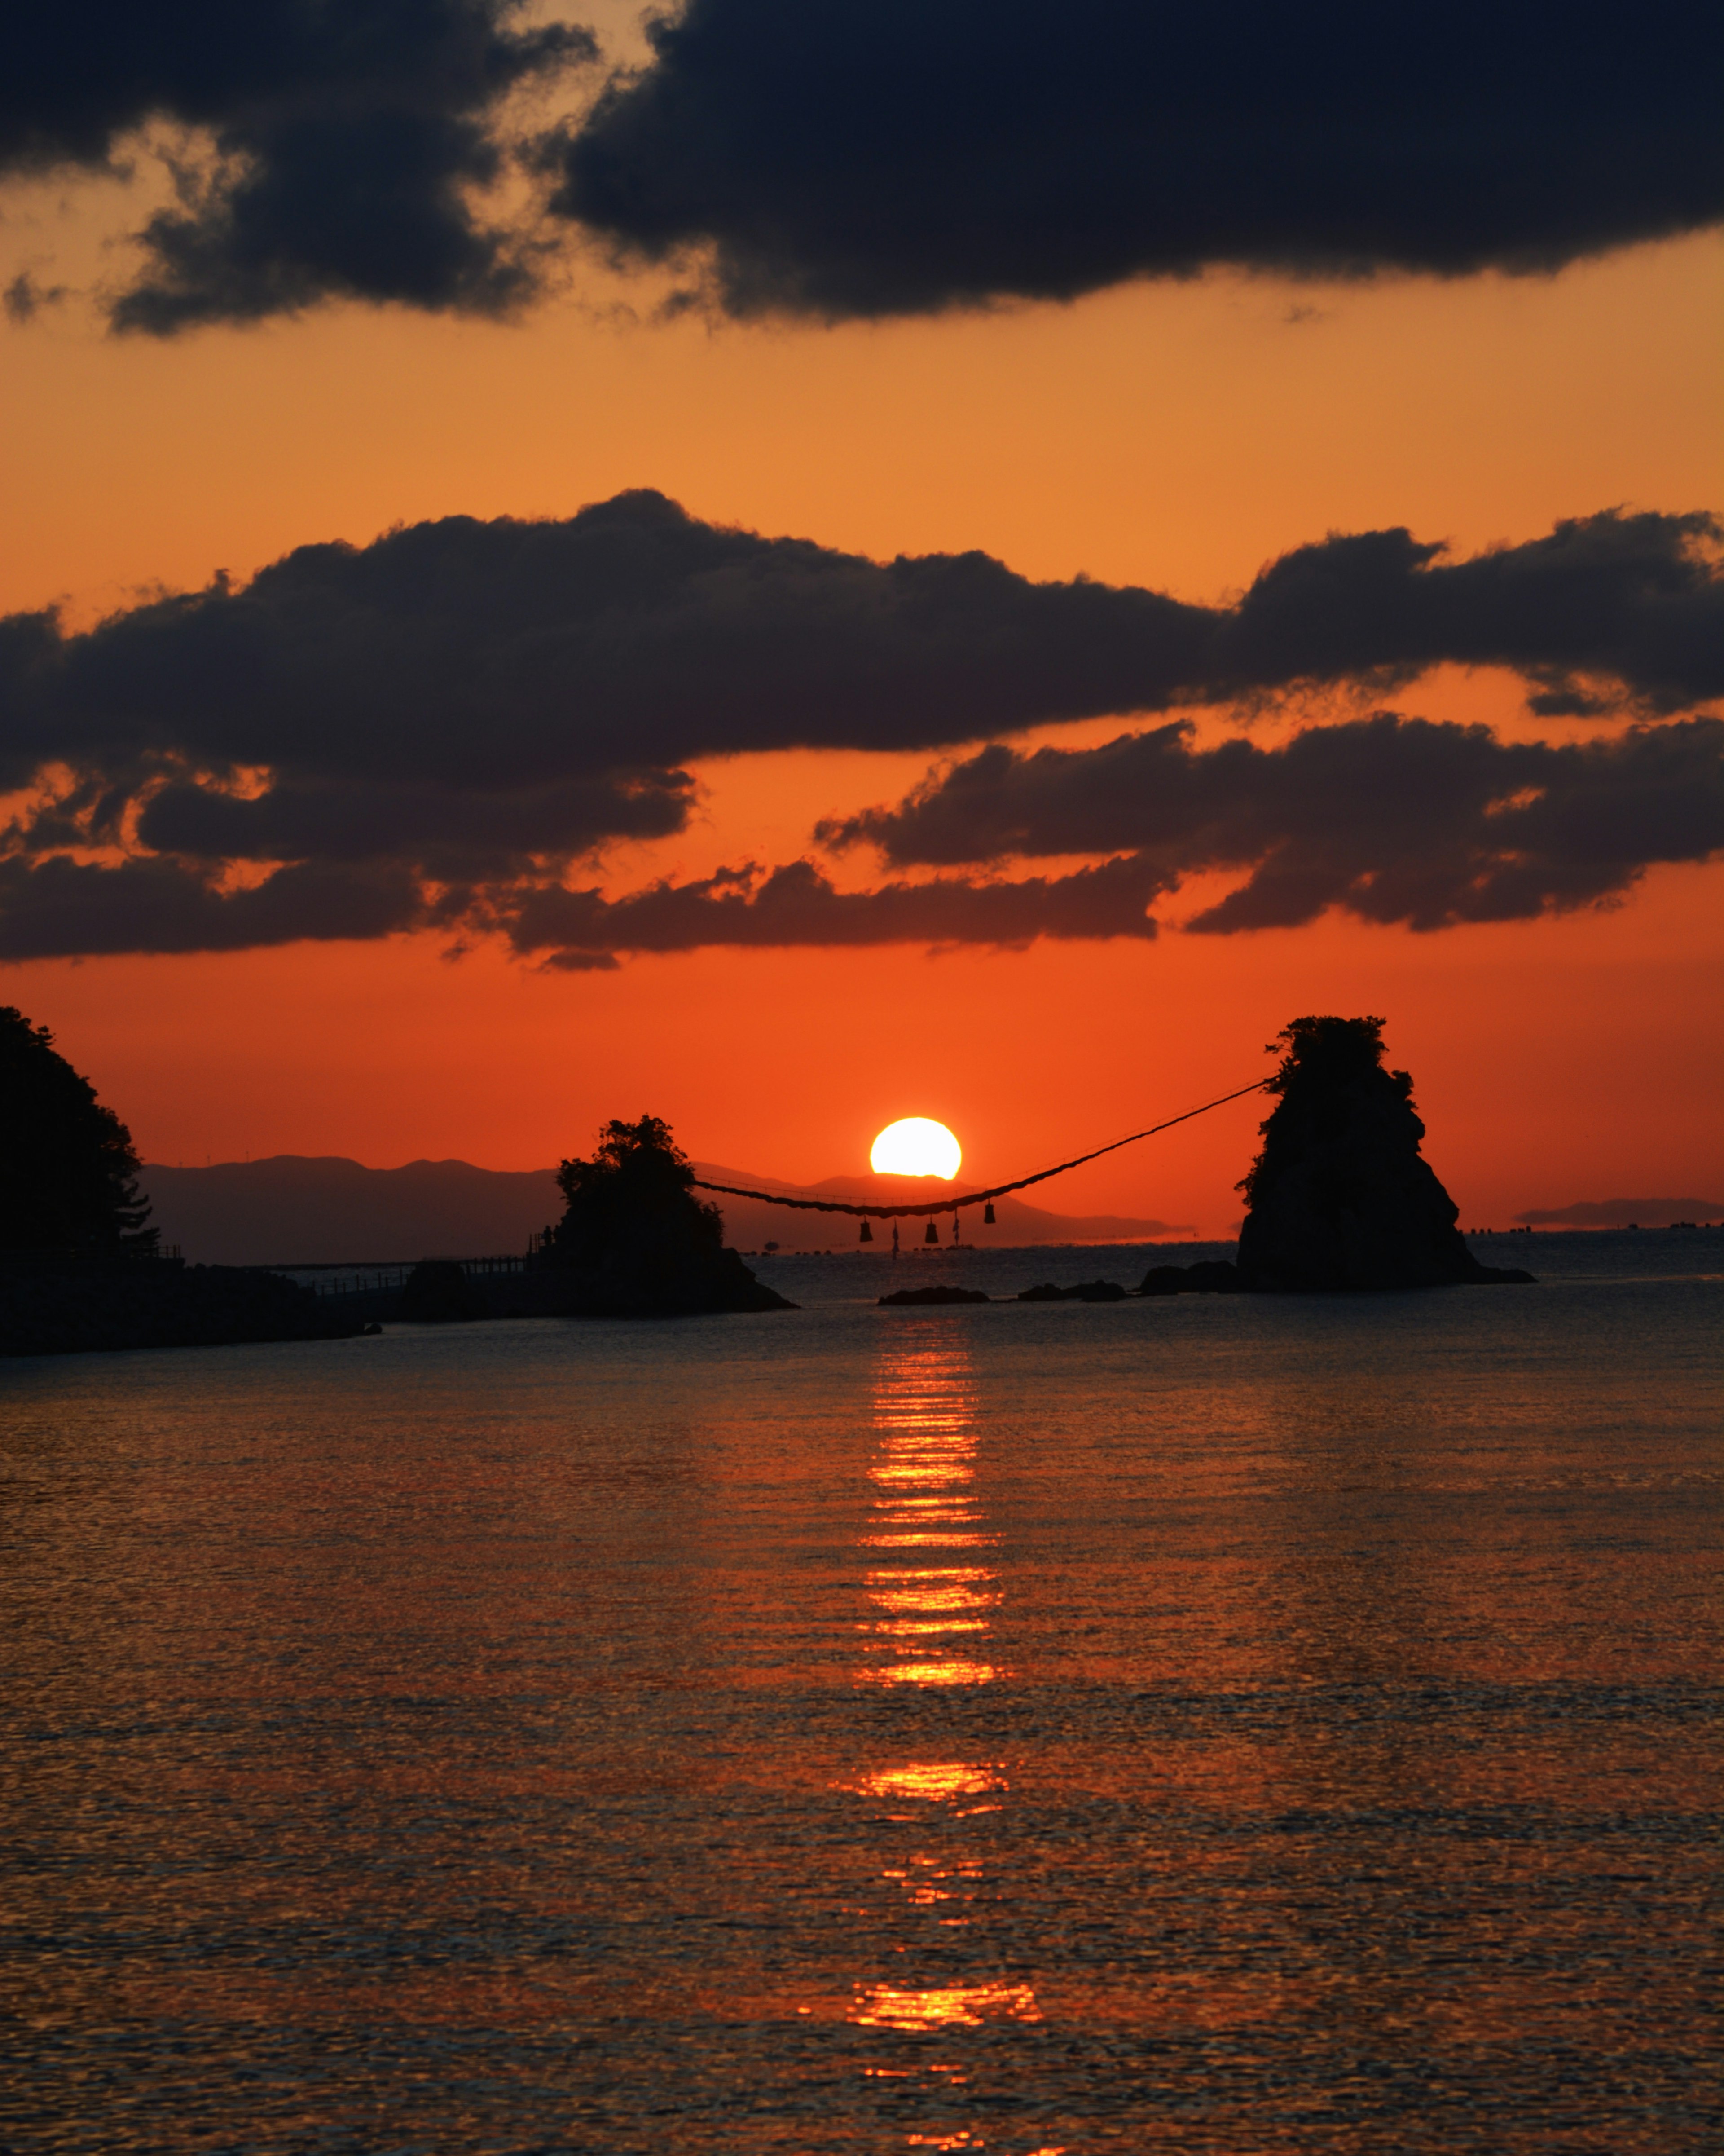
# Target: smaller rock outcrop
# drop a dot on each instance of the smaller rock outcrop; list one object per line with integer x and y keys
{"x": 636, "y": 1242}
{"x": 1341, "y": 1197}
{"x": 923, "y": 1298}
{"x": 1207, "y": 1277}
{"x": 438, "y": 1291}
{"x": 1095, "y": 1291}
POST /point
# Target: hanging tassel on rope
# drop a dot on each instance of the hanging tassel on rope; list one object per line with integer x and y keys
{"x": 867, "y": 1234}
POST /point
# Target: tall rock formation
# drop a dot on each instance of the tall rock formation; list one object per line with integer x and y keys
{"x": 1340, "y": 1197}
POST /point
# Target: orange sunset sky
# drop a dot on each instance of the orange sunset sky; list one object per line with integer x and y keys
{"x": 1178, "y": 433}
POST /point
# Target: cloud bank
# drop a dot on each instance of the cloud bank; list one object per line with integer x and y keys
{"x": 797, "y": 906}
{"x": 435, "y": 729}
{"x": 873, "y": 157}
{"x": 1391, "y": 818}
{"x": 867, "y": 157}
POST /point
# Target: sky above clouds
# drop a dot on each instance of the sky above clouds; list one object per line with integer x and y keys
{"x": 812, "y": 565}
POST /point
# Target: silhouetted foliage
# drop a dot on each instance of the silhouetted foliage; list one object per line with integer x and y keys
{"x": 635, "y": 1226}
{"x": 1323, "y": 1058}
{"x": 68, "y": 1168}
{"x": 638, "y": 1180}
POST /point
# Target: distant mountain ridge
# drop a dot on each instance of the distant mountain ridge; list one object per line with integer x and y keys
{"x": 1626, "y": 1213}
{"x": 326, "y": 1209}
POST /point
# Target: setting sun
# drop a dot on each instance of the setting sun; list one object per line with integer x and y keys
{"x": 915, "y": 1147}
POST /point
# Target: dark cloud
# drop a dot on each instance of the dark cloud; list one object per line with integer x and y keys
{"x": 491, "y": 657}
{"x": 347, "y": 138}
{"x": 798, "y": 905}
{"x": 1392, "y": 818}
{"x": 465, "y": 710}
{"x": 869, "y": 157}
{"x": 446, "y": 834}
{"x": 1627, "y": 599}
{"x": 1395, "y": 820}
{"x": 60, "y": 909}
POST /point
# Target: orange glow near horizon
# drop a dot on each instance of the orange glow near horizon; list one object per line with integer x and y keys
{"x": 1552, "y": 1061}
{"x": 1220, "y": 423}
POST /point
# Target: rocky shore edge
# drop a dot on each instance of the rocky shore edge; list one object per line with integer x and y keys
{"x": 438, "y": 1291}
{"x": 151, "y": 1304}
{"x": 110, "y": 1309}
{"x": 1209, "y": 1276}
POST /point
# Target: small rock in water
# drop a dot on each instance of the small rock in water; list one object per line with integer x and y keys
{"x": 1096, "y": 1290}
{"x": 920, "y": 1297}
{"x": 1207, "y": 1277}
{"x": 438, "y": 1292}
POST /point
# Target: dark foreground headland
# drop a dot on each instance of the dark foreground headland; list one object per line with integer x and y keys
{"x": 79, "y": 1265}
{"x": 81, "y": 1269}
{"x": 81, "y": 1306}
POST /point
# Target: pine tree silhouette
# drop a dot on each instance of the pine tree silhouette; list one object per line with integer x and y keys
{"x": 68, "y": 1168}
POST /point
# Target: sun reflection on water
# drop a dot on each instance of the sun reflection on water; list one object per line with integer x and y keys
{"x": 950, "y": 1588}
{"x": 936, "y": 1781}
{"x": 929, "y": 1619}
{"x": 950, "y": 1671}
{"x": 923, "y": 1474}
{"x": 964, "y": 2139}
{"x": 923, "y": 1410}
{"x": 946, "y": 2006}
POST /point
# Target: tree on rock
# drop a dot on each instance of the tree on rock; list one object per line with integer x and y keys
{"x": 67, "y": 1169}
{"x": 637, "y": 1239}
{"x": 1341, "y": 1197}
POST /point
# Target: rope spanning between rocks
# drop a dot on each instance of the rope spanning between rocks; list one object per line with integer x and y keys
{"x": 973, "y": 1197}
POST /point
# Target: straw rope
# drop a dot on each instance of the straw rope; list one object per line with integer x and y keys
{"x": 973, "y": 1197}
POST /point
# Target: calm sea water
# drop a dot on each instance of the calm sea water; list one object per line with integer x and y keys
{"x": 1212, "y": 1724}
